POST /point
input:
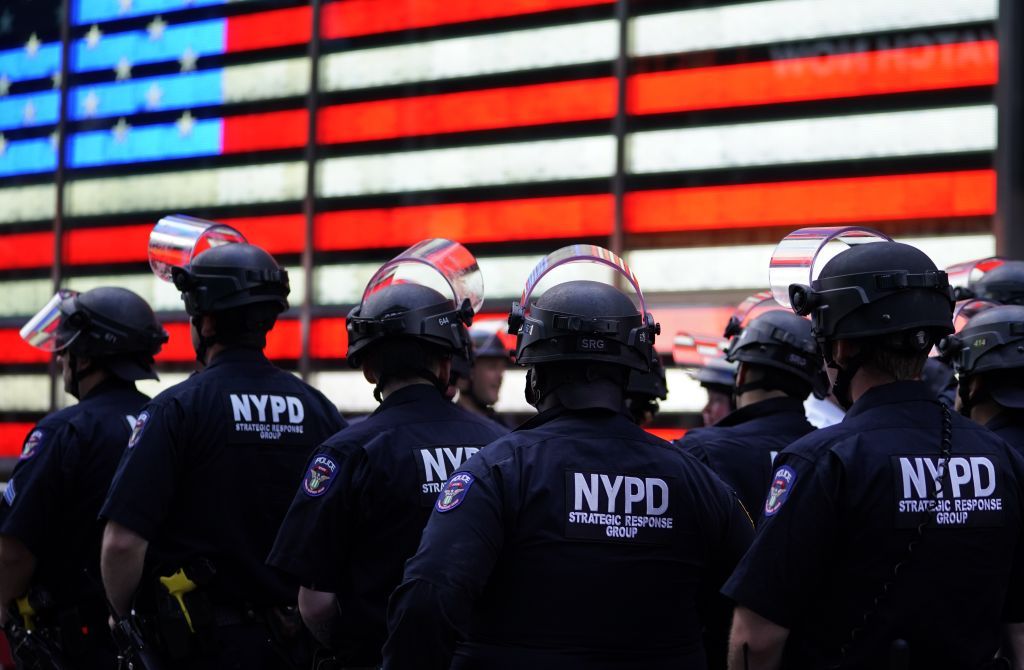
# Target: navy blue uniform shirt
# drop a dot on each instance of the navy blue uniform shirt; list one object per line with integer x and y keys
{"x": 361, "y": 508}
{"x": 576, "y": 541}
{"x": 1009, "y": 425}
{"x": 211, "y": 467}
{"x": 845, "y": 503}
{"x": 59, "y": 484}
{"x": 742, "y": 446}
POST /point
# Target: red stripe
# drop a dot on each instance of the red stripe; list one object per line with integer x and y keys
{"x": 263, "y": 30}
{"x": 263, "y": 132}
{"x": 496, "y": 221}
{"x": 668, "y": 434}
{"x": 802, "y": 203}
{"x": 509, "y": 107}
{"x": 282, "y": 234}
{"x": 14, "y": 350}
{"x": 26, "y": 250}
{"x": 351, "y": 18}
{"x": 328, "y": 341}
{"x": 12, "y": 438}
{"x": 944, "y": 66}
{"x": 93, "y": 246}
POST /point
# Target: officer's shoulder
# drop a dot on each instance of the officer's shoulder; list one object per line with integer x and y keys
{"x": 815, "y": 444}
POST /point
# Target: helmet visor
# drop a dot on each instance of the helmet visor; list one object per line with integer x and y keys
{"x": 43, "y": 330}
{"x": 581, "y": 253}
{"x": 440, "y": 264}
{"x": 696, "y": 351}
{"x": 965, "y": 310}
{"x": 751, "y": 308}
{"x": 966, "y": 275}
{"x": 800, "y": 256}
{"x": 176, "y": 240}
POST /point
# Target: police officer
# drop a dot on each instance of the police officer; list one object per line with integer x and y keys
{"x": 578, "y": 540}
{"x": 895, "y": 531}
{"x": 779, "y": 366}
{"x": 208, "y": 473}
{"x": 105, "y": 340}
{"x": 989, "y": 356}
{"x": 1003, "y": 284}
{"x": 480, "y": 385}
{"x": 717, "y": 377}
{"x": 368, "y": 490}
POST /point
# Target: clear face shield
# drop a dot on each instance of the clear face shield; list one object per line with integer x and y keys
{"x": 48, "y": 330}
{"x": 752, "y": 307}
{"x": 799, "y": 258}
{"x": 442, "y": 265}
{"x": 176, "y": 240}
{"x": 964, "y": 276}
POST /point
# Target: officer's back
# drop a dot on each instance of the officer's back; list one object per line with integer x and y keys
{"x": 779, "y": 367}
{"x": 578, "y": 540}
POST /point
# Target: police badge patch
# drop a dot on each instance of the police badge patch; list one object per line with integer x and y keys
{"x": 140, "y": 425}
{"x": 453, "y": 492}
{"x": 782, "y": 484}
{"x": 32, "y": 443}
{"x": 319, "y": 476}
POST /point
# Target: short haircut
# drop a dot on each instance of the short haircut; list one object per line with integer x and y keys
{"x": 774, "y": 379}
{"x": 393, "y": 359}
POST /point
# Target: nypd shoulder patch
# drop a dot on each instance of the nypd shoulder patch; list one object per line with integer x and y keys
{"x": 319, "y": 476}
{"x": 140, "y": 425}
{"x": 782, "y": 485}
{"x": 453, "y": 492}
{"x": 32, "y": 443}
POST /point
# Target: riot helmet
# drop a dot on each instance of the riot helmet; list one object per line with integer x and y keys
{"x": 587, "y": 326}
{"x": 782, "y": 341}
{"x": 112, "y": 327}
{"x": 644, "y": 390}
{"x": 990, "y": 344}
{"x": 870, "y": 288}
{"x": 1003, "y": 284}
{"x": 703, "y": 359}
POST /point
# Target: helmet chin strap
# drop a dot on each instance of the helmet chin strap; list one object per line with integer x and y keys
{"x": 841, "y": 387}
{"x": 75, "y": 385}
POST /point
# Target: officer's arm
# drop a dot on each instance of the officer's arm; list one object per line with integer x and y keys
{"x": 319, "y": 612}
{"x": 16, "y": 567}
{"x": 121, "y": 561}
{"x": 755, "y": 643}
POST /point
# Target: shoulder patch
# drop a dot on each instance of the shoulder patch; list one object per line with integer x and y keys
{"x": 9, "y": 493}
{"x": 32, "y": 442}
{"x": 319, "y": 476}
{"x": 140, "y": 425}
{"x": 782, "y": 484}
{"x": 454, "y": 491}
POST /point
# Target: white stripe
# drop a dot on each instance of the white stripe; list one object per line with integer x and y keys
{"x": 262, "y": 81}
{"x": 572, "y": 44}
{"x": 932, "y": 131}
{"x": 785, "y": 20}
{"x": 522, "y": 162}
{"x": 27, "y": 203}
{"x": 182, "y": 190}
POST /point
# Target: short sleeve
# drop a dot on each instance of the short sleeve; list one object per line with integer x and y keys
{"x": 790, "y": 554}
{"x": 143, "y": 487}
{"x": 310, "y": 544}
{"x": 35, "y": 494}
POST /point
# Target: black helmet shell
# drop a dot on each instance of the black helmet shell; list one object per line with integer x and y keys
{"x": 992, "y": 340}
{"x": 230, "y": 276}
{"x": 585, "y": 320}
{"x": 784, "y": 341}
{"x": 1003, "y": 284}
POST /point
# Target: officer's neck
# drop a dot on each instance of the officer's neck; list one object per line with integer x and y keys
{"x": 754, "y": 396}
{"x": 985, "y": 411}
{"x": 89, "y": 382}
{"x": 866, "y": 379}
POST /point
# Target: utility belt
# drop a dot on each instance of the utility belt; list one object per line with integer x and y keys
{"x": 44, "y": 635}
{"x": 186, "y": 618}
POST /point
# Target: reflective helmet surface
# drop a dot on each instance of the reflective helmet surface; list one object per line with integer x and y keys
{"x": 231, "y": 276}
{"x": 876, "y": 289}
{"x": 993, "y": 339}
{"x": 585, "y": 320}
{"x": 406, "y": 310}
{"x": 783, "y": 341}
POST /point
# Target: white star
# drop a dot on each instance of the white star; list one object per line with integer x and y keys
{"x": 120, "y": 130}
{"x": 3, "y": 144}
{"x": 55, "y": 77}
{"x": 93, "y": 37}
{"x": 124, "y": 6}
{"x": 32, "y": 46}
{"x": 91, "y": 103}
{"x": 153, "y": 96}
{"x": 185, "y": 124}
{"x": 123, "y": 70}
{"x": 156, "y": 28}
{"x": 188, "y": 59}
{"x": 29, "y": 112}
{"x": 5, "y": 84}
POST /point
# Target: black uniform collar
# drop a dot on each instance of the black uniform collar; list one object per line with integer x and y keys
{"x": 238, "y": 355}
{"x": 894, "y": 392}
{"x": 557, "y": 411}
{"x": 761, "y": 409}
{"x": 1006, "y": 419}
{"x": 408, "y": 394}
{"x": 110, "y": 384}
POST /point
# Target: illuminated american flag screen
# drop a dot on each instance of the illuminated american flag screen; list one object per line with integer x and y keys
{"x": 486, "y": 122}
